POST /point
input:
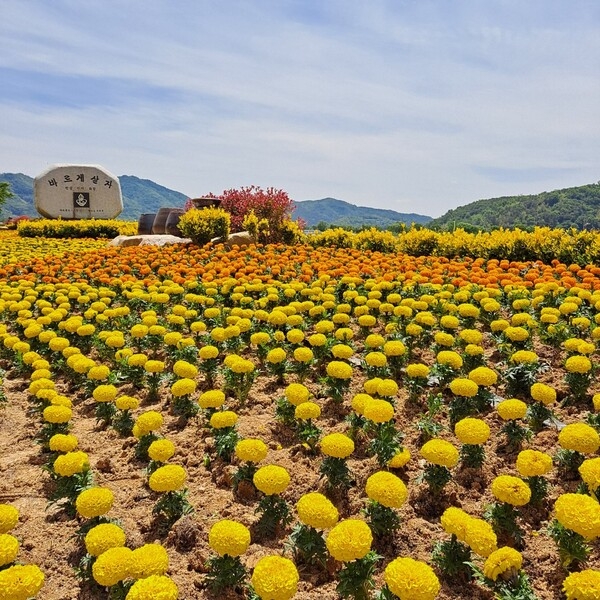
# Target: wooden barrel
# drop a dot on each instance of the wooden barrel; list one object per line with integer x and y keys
{"x": 145, "y": 223}
{"x": 158, "y": 227}
{"x": 172, "y": 222}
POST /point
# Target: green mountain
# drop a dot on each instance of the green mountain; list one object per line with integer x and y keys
{"x": 570, "y": 207}
{"x": 139, "y": 196}
{"x": 338, "y": 212}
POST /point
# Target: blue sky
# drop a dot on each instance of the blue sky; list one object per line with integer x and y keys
{"x": 413, "y": 105}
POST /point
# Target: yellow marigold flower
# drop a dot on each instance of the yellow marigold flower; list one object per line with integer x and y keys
{"x": 276, "y": 356}
{"x": 85, "y": 330}
{"x": 295, "y": 336}
{"x": 543, "y": 393}
{"x": 387, "y": 489}
{"x": 414, "y": 330}
{"x": 112, "y": 566}
{"x": 208, "y": 352}
{"x": 342, "y": 351}
{"x": 578, "y": 364}
{"x": 155, "y": 587}
{"x": 9, "y": 517}
{"x": 303, "y": 354}
{"x": 104, "y": 393}
{"x": 455, "y": 521}
{"x": 211, "y": 399}
{"x": 367, "y": 321}
{"x": 241, "y": 365}
{"x": 40, "y": 384}
{"x": 378, "y": 411}
{"x": 524, "y": 357}
{"x": 444, "y": 339}
{"x": 359, "y": 401}
{"x": 161, "y": 450}
{"x": 480, "y": 537}
{"x": 472, "y": 431}
{"x": 102, "y": 537}
{"x": 415, "y": 370}
{"x": 584, "y": 585}
{"x": 57, "y": 414}
{"x": 148, "y": 421}
{"x": 271, "y": 479}
{"x": 399, "y": 459}
{"x": 440, "y": 452}
{"x": 337, "y": 445}
{"x": 579, "y": 437}
{"x": 137, "y": 360}
{"x": 275, "y": 578}
{"x": 339, "y": 370}
{"x": 411, "y": 579}
{"x": 94, "y": 502}
{"x": 483, "y": 376}
{"x": 374, "y": 340}
{"x": 251, "y": 450}
{"x": 20, "y": 582}
{"x": 579, "y": 513}
{"x": 461, "y": 386}
{"x": 532, "y": 463}
{"x": 40, "y": 374}
{"x": 167, "y": 478}
{"x": 229, "y": 538}
{"x": 154, "y": 366}
{"x": 450, "y": 358}
{"x": 349, "y": 540}
{"x": 371, "y": 385}
{"x": 147, "y": 560}
{"x": 183, "y": 387}
{"x": 317, "y": 339}
{"x": 70, "y": 463}
{"x": 98, "y": 373}
{"x": 138, "y": 331}
{"x": 184, "y": 369}
{"x": 127, "y": 402}
{"x": 516, "y": 334}
{"x": 394, "y": 348}
{"x": 316, "y": 510}
{"x": 596, "y": 402}
{"x": 376, "y": 359}
{"x": 449, "y": 322}
{"x": 9, "y": 548}
{"x": 307, "y": 410}
{"x": 296, "y": 393}
{"x": 502, "y": 560}
{"x": 590, "y": 473}
{"x": 511, "y": 490}
{"x": 474, "y": 350}
{"x": 512, "y": 409}
{"x": 222, "y": 419}
{"x": 387, "y": 388}
{"x": 471, "y": 336}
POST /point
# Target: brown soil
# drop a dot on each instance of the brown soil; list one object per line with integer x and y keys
{"x": 46, "y": 533}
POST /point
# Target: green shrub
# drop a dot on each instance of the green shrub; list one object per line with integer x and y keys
{"x": 76, "y": 228}
{"x": 204, "y": 224}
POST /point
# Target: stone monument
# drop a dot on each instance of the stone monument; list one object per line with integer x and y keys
{"x": 77, "y": 192}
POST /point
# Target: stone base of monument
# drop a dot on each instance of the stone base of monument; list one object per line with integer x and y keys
{"x": 148, "y": 240}
{"x": 241, "y": 238}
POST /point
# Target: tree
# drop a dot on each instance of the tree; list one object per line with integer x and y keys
{"x": 5, "y": 193}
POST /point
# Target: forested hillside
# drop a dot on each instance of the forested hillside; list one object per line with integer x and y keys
{"x": 570, "y": 207}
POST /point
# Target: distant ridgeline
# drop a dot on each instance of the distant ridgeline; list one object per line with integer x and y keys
{"x": 571, "y": 207}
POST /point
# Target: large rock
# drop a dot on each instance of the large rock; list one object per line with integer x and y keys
{"x": 77, "y": 192}
{"x": 241, "y": 238}
{"x": 147, "y": 240}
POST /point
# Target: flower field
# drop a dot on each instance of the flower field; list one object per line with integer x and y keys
{"x": 308, "y": 421}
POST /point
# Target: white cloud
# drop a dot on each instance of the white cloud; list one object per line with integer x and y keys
{"x": 415, "y": 106}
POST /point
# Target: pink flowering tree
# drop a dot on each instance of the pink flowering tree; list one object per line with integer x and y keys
{"x": 271, "y": 204}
